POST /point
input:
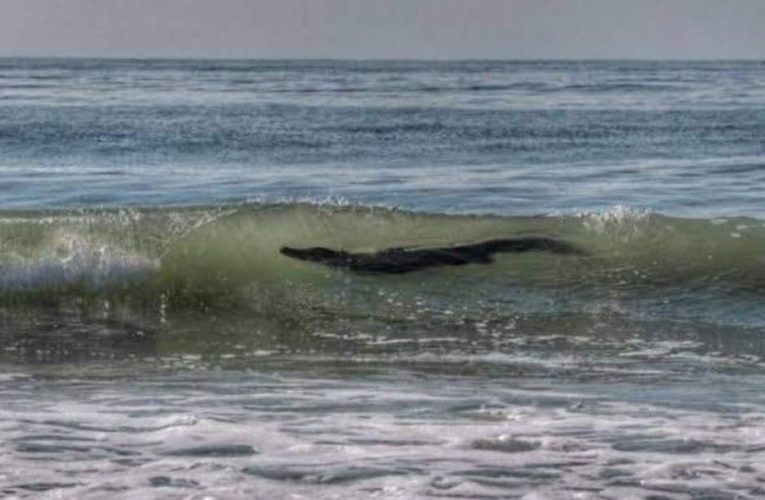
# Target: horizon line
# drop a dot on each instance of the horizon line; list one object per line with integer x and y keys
{"x": 373, "y": 59}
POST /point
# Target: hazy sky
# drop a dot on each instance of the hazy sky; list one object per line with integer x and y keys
{"x": 505, "y": 29}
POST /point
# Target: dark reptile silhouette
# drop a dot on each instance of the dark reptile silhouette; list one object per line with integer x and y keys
{"x": 400, "y": 260}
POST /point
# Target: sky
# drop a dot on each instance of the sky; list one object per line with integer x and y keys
{"x": 387, "y": 29}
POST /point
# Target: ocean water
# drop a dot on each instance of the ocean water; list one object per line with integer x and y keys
{"x": 155, "y": 343}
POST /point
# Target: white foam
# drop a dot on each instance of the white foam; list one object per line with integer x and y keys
{"x": 72, "y": 259}
{"x": 347, "y": 438}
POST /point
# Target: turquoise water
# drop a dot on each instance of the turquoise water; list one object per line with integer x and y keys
{"x": 154, "y": 343}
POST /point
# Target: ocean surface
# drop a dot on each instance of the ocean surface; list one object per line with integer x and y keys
{"x": 155, "y": 343}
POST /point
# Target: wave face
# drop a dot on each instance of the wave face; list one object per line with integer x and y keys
{"x": 228, "y": 257}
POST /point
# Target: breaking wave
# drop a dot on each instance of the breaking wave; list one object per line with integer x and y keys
{"x": 226, "y": 257}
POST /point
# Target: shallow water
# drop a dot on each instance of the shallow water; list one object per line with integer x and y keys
{"x": 155, "y": 344}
